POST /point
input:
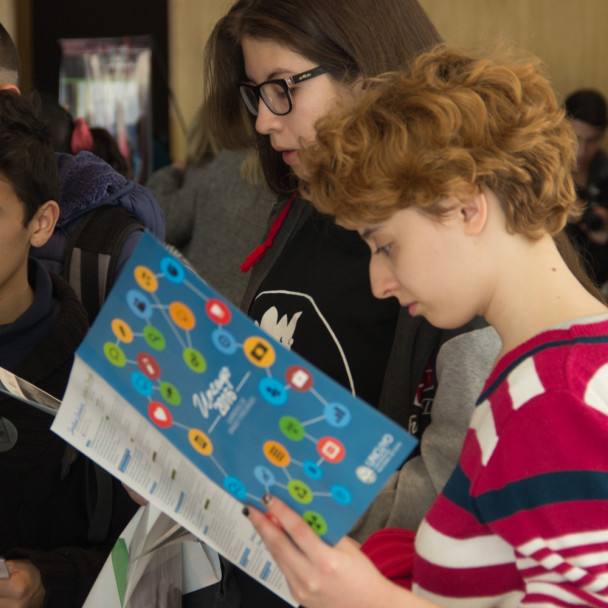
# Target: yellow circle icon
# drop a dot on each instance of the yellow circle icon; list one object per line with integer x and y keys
{"x": 145, "y": 278}
{"x": 259, "y": 351}
{"x": 200, "y": 442}
{"x": 182, "y": 316}
{"x": 122, "y": 331}
{"x": 277, "y": 454}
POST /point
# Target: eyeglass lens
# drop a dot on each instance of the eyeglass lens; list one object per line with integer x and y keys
{"x": 275, "y": 96}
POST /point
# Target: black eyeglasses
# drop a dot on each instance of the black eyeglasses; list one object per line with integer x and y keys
{"x": 275, "y": 93}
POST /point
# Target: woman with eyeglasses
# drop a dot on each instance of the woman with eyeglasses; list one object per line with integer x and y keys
{"x": 273, "y": 68}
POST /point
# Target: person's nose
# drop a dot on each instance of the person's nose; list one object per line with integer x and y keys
{"x": 383, "y": 281}
{"x": 266, "y": 121}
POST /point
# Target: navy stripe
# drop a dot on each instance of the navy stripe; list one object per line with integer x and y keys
{"x": 527, "y": 494}
{"x": 603, "y": 339}
{"x": 458, "y": 491}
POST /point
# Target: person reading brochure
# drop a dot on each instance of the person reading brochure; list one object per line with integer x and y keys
{"x": 458, "y": 175}
{"x": 52, "y": 536}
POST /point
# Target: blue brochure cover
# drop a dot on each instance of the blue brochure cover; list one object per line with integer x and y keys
{"x": 252, "y": 415}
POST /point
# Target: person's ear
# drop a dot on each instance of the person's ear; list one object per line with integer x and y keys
{"x": 473, "y": 213}
{"x": 43, "y": 223}
{"x": 10, "y": 87}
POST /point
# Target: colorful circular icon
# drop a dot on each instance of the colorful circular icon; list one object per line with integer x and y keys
{"x": 141, "y": 384}
{"x": 173, "y": 270}
{"x": 331, "y": 449}
{"x": 315, "y": 521}
{"x": 276, "y": 454}
{"x": 160, "y": 415}
{"x": 200, "y": 442}
{"x": 145, "y": 278}
{"x": 235, "y": 487}
{"x": 312, "y": 469}
{"x": 114, "y": 354}
{"x": 122, "y": 330}
{"x": 148, "y": 365}
{"x": 259, "y": 351}
{"x": 337, "y": 415}
{"x": 182, "y": 316}
{"x": 139, "y": 304}
{"x": 299, "y": 491}
{"x": 154, "y": 337}
{"x": 170, "y": 393}
{"x": 299, "y": 378}
{"x": 272, "y": 391}
{"x": 341, "y": 495}
{"x": 194, "y": 360}
{"x": 218, "y": 311}
{"x": 264, "y": 475}
{"x": 224, "y": 341}
{"x": 292, "y": 428}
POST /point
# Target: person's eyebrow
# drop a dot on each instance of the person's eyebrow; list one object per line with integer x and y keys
{"x": 274, "y": 75}
{"x": 369, "y": 231}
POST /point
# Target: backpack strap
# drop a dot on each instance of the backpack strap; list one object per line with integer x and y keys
{"x": 92, "y": 253}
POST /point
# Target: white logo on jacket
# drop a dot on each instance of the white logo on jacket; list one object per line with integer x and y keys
{"x": 281, "y": 329}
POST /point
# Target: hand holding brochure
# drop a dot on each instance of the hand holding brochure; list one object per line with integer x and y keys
{"x": 187, "y": 401}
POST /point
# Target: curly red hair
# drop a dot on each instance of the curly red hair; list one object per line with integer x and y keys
{"x": 452, "y": 124}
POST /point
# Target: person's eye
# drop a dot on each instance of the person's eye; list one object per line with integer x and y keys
{"x": 383, "y": 250}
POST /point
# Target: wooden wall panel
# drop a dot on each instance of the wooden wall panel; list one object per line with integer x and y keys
{"x": 569, "y": 35}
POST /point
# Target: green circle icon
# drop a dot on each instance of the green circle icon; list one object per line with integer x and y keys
{"x": 299, "y": 491}
{"x": 291, "y": 428}
{"x": 170, "y": 393}
{"x": 316, "y": 522}
{"x": 114, "y": 354}
{"x": 194, "y": 360}
{"x": 154, "y": 337}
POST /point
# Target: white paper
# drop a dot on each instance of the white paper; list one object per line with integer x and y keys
{"x": 101, "y": 424}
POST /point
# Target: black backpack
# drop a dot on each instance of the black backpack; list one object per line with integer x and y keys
{"x": 92, "y": 253}
{"x": 89, "y": 267}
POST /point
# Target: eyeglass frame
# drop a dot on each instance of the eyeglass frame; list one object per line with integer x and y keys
{"x": 285, "y": 83}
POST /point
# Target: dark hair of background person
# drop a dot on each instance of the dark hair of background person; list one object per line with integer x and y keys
{"x": 10, "y": 63}
{"x": 61, "y": 124}
{"x": 27, "y": 158}
{"x": 587, "y": 105}
{"x": 352, "y": 38}
{"x": 105, "y": 146}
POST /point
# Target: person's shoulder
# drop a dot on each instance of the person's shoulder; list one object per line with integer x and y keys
{"x": 88, "y": 182}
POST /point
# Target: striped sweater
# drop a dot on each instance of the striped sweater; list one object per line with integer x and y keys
{"x": 524, "y": 518}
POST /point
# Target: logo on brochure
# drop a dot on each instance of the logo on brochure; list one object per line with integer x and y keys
{"x": 378, "y": 458}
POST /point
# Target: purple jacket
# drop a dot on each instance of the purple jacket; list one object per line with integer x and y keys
{"x": 88, "y": 182}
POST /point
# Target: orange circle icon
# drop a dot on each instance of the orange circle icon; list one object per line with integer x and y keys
{"x": 259, "y": 351}
{"x": 145, "y": 278}
{"x": 182, "y": 316}
{"x": 122, "y": 330}
{"x": 277, "y": 454}
{"x": 200, "y": 442}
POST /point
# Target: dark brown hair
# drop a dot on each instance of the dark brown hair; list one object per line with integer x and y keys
{"x": 352, "y": 38}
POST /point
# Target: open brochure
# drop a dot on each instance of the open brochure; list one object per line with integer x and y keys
{"x": 183, "y": 398}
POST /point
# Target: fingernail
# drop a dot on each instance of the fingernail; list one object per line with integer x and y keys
{"x": 267, "y": 499}
{"x": 245, "y": 511}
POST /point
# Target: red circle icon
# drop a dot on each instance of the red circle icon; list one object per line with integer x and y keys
{"x": 160, "y": 415}
{"x": 148, "y": 365}
{"x": 331, "y": 449}
{"x": 299, "y": 378}
{"x": 218, "y": 312}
